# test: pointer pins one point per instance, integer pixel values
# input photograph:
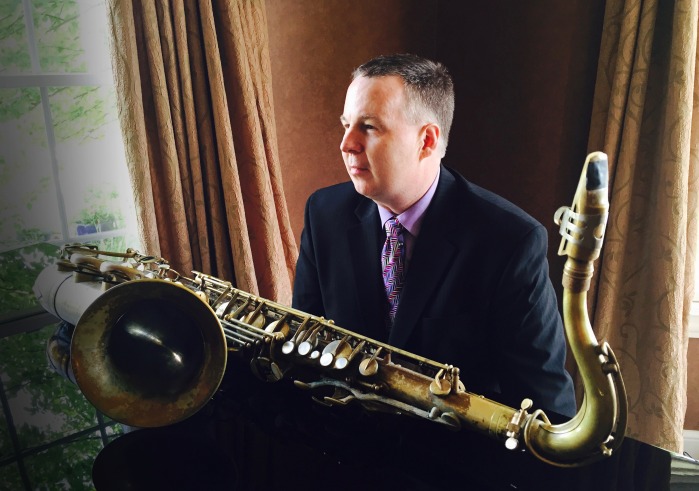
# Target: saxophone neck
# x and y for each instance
(599, 426)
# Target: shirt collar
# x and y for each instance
(411, 219)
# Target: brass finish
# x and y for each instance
(600, 424)
(110, 380)
(276, 339)
(369, 366)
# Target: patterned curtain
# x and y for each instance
(195, 100)
(645, 119)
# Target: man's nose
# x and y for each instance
(350, 142)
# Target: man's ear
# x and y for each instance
(430, 140)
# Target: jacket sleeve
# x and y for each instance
(307, 295)
(532, 346)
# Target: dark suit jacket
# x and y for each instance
(477, 293)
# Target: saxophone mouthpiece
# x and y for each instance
(597, 171)
(582, 225)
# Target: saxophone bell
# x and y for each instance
(148, 353)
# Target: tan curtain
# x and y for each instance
(645, 119)
(195, 98)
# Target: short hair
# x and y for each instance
(428, 86)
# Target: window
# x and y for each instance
(62, 164)
(64, 179)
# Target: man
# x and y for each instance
(467, 277)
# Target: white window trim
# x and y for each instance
(694, 320)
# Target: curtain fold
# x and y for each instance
(195, 102)
(644, 117)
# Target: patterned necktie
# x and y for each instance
(392, 263)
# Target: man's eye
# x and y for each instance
(368, 127)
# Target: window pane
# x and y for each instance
(14, 50)
(45, 406)
(28, 205)
(65, 466)
(9, 476)
(71, 36)
(90, 152)
(5, 441)
(57, 30)
(19, 269)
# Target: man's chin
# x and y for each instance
(361, 186)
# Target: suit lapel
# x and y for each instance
(433, 253)
(365, 242)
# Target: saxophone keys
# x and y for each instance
(321, 401)
(310, 342)
(343, 401)
(120, 272)
(336, 351)
(440, 386)
(514, 427)
(343, 361)
(65, 265)
(280, 326)
(266, 369)
(288, 347)
(605, 450)
(306, 347)
(328, 355)
(343, 355)
(256, 319)
(301, 384)
(369, 366)
(326, 359)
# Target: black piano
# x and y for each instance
(260, 436)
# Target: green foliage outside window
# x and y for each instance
(9, 476)
(14, 55)
(83, 122)
(52, 137)
(46, 408)
(56, 25)
(99, 210)
(18, 271)
(48, 470)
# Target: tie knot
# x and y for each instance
(393, 227)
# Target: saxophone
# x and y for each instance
(150, 346)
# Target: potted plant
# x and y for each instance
(98, 215)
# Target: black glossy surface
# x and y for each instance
(273, 436)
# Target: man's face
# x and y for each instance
(382, 148)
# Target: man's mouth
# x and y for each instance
(356, 170)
